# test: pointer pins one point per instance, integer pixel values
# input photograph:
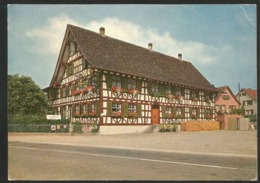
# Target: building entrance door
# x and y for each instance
(155, 115)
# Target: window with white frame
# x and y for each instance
(116, 81)
(94, 107)
(187, 93)
(178, 111)
(131, 84)
(94, 81)
(116, 107)
(132, 108)
(187, 112)
(77, 110)
(201, 95)
(193, 94)
(84, 109)
(168, 110)
(155, 88)
(194, 112)
(168, 90)
(202, 111)
(178, 92)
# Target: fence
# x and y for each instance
(43, 128)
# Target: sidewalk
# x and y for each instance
(230, 143)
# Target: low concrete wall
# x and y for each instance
(105, 130)
(200, 125)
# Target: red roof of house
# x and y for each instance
(250, 92)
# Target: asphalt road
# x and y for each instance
(31, 161)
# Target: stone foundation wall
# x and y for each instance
(200, 125)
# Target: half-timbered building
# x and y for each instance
(124, 87)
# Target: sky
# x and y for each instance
(219, 40)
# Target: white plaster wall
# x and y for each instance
(105, 130)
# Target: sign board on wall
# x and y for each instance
(54, 117)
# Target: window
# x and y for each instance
(116, 81)
(193, 94)
(207, 96)
(217, 107)
(84, 109)
(194, 112)
(232, 107)
(94, 107)
(71, 69)
(168, 110)
(168, 90)
(131, 108)
(77, 110)
(223, 108)
(155, 88)
(131, 84)
(249, 102)
(64, 91)
(57, 93)
(116, 107)
(178, 111)
(70, 89)
(202, 113)
(187, 94)
(187, 112)
(201, 95)
(94, 81)
(178, 92)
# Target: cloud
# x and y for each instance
(52, 33)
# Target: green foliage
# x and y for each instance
(35, 123)
(25, 97)
(77, 127)
(252, 118)
(168, 127)
(95, 126)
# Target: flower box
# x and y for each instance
(133, 91)
(132, 114)
(117, 89)
(170, 96)
(92, 114)
(76, 92)
(169, 115)
(116, 114)
(195, 99)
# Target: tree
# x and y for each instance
(25, 97)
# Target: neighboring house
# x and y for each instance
(225, 105)
(123, 87)
(248, 99)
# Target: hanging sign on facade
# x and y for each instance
(54, 117)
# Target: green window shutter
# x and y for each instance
(67, 70)
(124, 83)
(183, 112)
(88, 108)
(109, 108)
(139, 110)
(173, 90)
(109, 81)
(67, 90)
(161, 89)
(183, 92)
(149, 88)
(197, 94)
(174, 111)
(73, 110)
(125, 109)
(61, 92)
(139, 85)
(98, 109)
(163, 111)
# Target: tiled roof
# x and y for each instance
(250, 92)
(107, 53)
(222, 90)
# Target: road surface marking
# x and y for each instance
(125, 157)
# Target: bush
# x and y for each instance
(77, 127)
(252, 118)
(35, 123)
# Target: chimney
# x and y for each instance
(180, 56)
(102, 31)
(150, 46)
